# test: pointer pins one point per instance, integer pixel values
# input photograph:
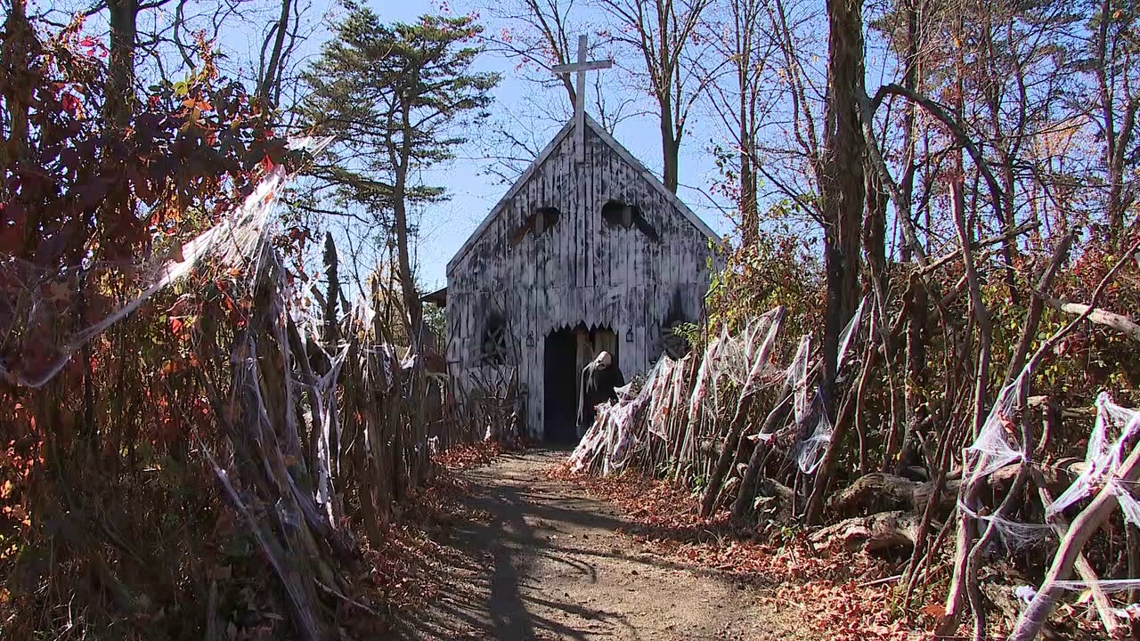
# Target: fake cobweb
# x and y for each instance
(815, 428)
(1114, 427)
(997, 445)
(992, 448)
(37, 304)
(611, 439)
(731, 366)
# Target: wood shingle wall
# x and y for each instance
(580, 270)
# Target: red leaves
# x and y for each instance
(171, 155)
(71, 104)
(92, 47)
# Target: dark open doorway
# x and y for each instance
(560, 382)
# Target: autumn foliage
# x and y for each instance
(116, 519)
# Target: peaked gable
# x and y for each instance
(554, 144)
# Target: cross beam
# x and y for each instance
(580, 67)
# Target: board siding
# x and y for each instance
(581, 271)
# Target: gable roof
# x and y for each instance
(613, 144)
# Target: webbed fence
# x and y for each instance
(741, 422)
(201, 433)
(694, 419)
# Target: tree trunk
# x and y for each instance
(269, 87)
(413, 308)
(913, 398)
(749, 207)
(842, 185)
(875, 229)
(749, 212)
(121, 70)
(917, 310)
(332, 335)
(1005, 147)
(814, 510)
(670, 148)
(961, 583)
(1114, 205)
(19, 45)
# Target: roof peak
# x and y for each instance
(610, 142)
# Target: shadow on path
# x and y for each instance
(546, 563)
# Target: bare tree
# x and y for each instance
(738, 89)
(537, 36)
(789, 148)
(1114, 99)
(283, 35)
(664, 34)
(540, 34)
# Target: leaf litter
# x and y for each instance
(828, 591)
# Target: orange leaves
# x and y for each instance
(17, 513)
(465, 456)
(934, 610)
(197, 103)
(72, 105)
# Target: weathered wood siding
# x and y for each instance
(582, 270)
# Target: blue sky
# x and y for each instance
(473, 192)
(446, 226)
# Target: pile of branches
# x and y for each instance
(210, 459)
(692, 419)
(948, 481)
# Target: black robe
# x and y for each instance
(597, 386)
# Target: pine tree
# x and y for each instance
(398, 99)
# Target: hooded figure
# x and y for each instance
(599, 380)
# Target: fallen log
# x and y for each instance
(1120, 323)
(1057, 476)
(878, 492)
(870, 533)
(775, 500)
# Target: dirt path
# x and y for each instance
(547, 563)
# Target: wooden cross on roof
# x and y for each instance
(581, 67)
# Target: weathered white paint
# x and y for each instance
(581, 270)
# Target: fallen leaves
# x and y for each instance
(936, 610)
(825, 589)
(404, 568)
(466, 456)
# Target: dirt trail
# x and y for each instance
(547, 563)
